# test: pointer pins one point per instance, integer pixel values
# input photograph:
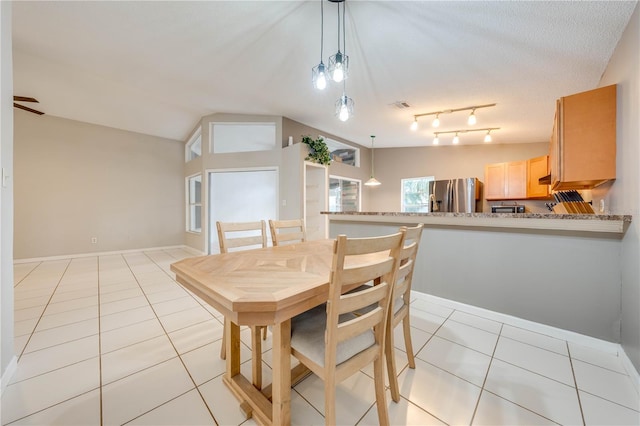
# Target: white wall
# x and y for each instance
(624, 196)
(6, 193)
(76, 180)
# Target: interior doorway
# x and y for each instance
(241, 195)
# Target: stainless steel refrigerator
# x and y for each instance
(455, 195)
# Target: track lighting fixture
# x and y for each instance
(372, 180)
(414, 125)
(436, 121)
(456, 138)
(472, 118)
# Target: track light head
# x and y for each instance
(414, 125)
(436, 121)
(472, 118)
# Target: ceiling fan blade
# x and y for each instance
(35, 111)
(25, 99)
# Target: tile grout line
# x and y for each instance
(25, 277)
(99, 344)
(43, 311)
(486, 376)
(575, 383)
(170, 341)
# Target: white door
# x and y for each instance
(241, 196)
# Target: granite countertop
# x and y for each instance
(589, 223)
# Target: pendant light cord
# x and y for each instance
(344, 29)
(321, 29)
(372, 154)
(338, 28)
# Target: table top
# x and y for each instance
(261, 286)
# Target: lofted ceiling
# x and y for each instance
(157, 67)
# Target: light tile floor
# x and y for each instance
(115, 340)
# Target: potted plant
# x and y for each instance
(318, 150)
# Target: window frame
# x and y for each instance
(195, 137)
(192, 204)
(358, 194)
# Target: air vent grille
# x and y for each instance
(400, 105)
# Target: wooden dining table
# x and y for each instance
(266, 286)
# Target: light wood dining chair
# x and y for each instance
(233, 235)
(287, 231)
(400, 305)
(333, 342)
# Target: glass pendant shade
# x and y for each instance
(372, 182)
(339, 67)
(344, 107)
(319, 76)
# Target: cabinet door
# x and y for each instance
(494, 183)
(536, 168)
(586, 139)
(516, 180)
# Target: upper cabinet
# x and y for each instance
(537, 168)
(516, 180)
(583, 141)
(505, 181)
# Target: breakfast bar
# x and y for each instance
(558, 270)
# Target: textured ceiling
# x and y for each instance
(157, 67)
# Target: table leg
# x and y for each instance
(233, 349)
(256, 356)
(281, 397)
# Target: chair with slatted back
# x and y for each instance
(399, 306)
(333, 342)
(287, 231)
(233, 235)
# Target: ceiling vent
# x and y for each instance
(400, 105)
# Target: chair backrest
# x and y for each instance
(358, 260)
(294, 231)
(404, 276)
(233, 228)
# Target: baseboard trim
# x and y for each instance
(104, 253)
(570, 336)
(8, 374)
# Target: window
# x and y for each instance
(343, 153)
(344, 194)
(415, 194)
(194, 207)
(194, 147)
(242, 137)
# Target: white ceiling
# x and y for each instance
(157, 67)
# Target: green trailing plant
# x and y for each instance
(318, 150)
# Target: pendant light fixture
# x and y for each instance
(339, 63)
(344, 107)
(372, 181)
(319, 72)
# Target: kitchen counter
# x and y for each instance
(607, 224)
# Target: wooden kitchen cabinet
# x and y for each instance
(505, 181)
(583, 141)
(537, 168)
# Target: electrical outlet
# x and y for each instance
(94, 240)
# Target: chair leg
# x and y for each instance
(406, 327)
(390, 356)
(330, 402)
(223, 348)
(381, 400)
